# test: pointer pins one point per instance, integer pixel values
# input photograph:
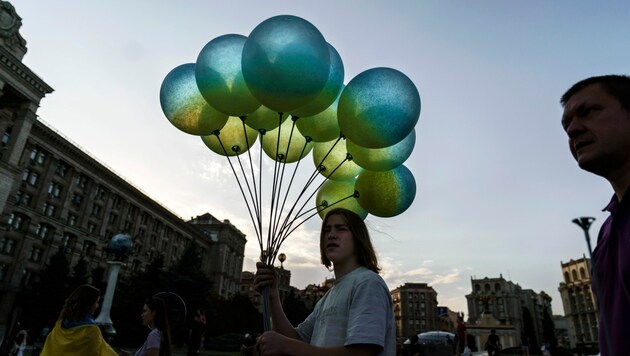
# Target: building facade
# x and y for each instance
(578, 301)
(415, 309)
(509, 304)
(53, 196)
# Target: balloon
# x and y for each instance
(321, 127)
(264, 119)
(184, 106)
(289, 137)
(386, 194)
(331, 90)
(382, 159)
(334, 165)
(232, 137)
(378, 108)
(332, 192)
(220, 79)
(285, 62)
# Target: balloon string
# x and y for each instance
(286, 229)
(273, 189)
(257, 206)
(285, 223)
(279, 216)
(249, 210)
(252, 196)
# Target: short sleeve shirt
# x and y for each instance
(153, 342)
(358, 309)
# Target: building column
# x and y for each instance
(11, 157)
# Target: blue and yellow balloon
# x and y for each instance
(388, 193)
(285, 62)
(378, 108)
(220, 78)
(338, 194)
(184, 106)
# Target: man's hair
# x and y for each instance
(616, 85)
(364, 250)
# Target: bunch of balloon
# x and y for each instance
(243, 89)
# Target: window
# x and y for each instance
(6, 136)
(49, 209)
(76, 200)
(44, 231)
(23, 198)
(96, 210)
(38, 156)
(72, 220)
(82, 180)
(4, 269)
(92, 228)
(27, 277)
(89, 248)
(16, 221)
(54, 189)
(100, 192)
(61, 169)
(36, 254)
(30, 177)
(112, 218)
(117, 202)
(7, 246)
(68, 240)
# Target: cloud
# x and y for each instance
(449, 278)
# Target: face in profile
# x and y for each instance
(598, 128)
(147, 316)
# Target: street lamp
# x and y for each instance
(120, 245)
(282, 257)
(585, 223)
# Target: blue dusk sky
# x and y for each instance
(496, 185)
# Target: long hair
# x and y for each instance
(364, 250)
(78, 304)
(160, 321)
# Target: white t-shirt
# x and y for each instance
(358, 309)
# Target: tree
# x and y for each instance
(42, 302)
(530, 331)
(549, 329)
(80, 274)
(294, 308)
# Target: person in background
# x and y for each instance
(20, 344)
(524, 343)
(461, 335)
(195, 336)
(493, 344)
(75, 333)
(355, 316)
(596, 119)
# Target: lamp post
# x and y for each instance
(119, 245)
(585, 223)
(282, 257)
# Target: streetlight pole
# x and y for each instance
(585, 223)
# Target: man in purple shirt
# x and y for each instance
(597, 120)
